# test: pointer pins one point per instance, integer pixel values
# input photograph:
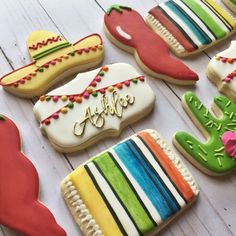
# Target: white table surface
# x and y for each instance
(215, 211)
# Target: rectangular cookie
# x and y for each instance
(134, 188)
(190, 26)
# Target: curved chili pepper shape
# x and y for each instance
(19, 189)
(127, 29)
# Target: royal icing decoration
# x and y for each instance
(229, 141)
(222, 71)
(231, 4)
(19, 188)
(190, 26)
(54, 58)
(209, 156)
(127, 29)
(95, 103)
(133, 188)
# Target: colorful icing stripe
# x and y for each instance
(225, 18)
(181, 185)
(138, 183)
(194, 23)
(187, 22)
(96, 205)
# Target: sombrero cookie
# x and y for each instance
(190, 26)
(217, 155)
(95, 105)
(20, 208)
(134, 188)
(222, 71)
(231, 4)
(54, 58)
(127, 29)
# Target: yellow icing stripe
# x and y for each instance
(230, 19)
(94, 202)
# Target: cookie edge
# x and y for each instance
(81, 213)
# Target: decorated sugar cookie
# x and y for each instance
(19, 189)
(126, 29)
(215, 156)
(54, 59)
(190, 26)
(134, 188)
(231, 4)
(222, 71)
(95, 105)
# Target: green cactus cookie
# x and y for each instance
(210, 156)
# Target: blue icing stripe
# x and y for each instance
(196, 30)
(137, 170)
(155, 177)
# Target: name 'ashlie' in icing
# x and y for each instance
(209, 156)
(190, 26)
(94, 105)
(133, 188)
(115, 107)
(127, 29)
(54, 58)
(19, 189)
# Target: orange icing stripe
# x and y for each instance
(172, 172)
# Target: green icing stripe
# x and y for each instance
(122, 188)
(211, 154)
(206, 18)
(233, 1)
(51, 50)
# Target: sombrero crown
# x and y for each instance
(42, 43)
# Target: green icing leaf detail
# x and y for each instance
(117, 8)
(2, 117)
(210, 155)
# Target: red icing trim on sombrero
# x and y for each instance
(52, 62)
(19, 188)
(45, 42)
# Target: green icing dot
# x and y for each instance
(2, 117)
(135, 81)
(41, 69)
(71, 105)
(101, 73)
(95, 94)
(48, 98)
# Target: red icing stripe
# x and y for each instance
(45, 42)
(151, 48)
(171, 170)
(160, 16)
(19, 188)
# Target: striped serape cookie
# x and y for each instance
(134, 188)
(190, 26)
